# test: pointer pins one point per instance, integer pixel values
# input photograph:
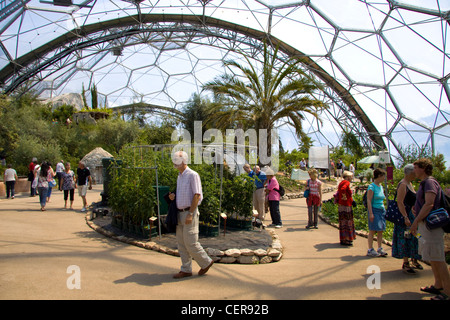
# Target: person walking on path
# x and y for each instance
(258, 193)
(404, 245)
(59, 171)
(314, 200)
(189, 195)
(43, 174)
(67, 179)
(10, 178)
(32, 176)
(83, 179)
(51, 179)
(347, 231)
(431, 244)
(376, 213)
(273, 196)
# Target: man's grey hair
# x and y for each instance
(408, 169)
(180, 157)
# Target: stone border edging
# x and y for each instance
(243, 256)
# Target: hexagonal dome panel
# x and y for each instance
(385, 65)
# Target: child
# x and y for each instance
(314, 199)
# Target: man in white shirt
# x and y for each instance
(10, 177)
(188, 196)
(59, 171)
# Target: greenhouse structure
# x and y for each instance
(384, 64)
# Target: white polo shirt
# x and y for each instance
(10, 174)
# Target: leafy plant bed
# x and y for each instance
(208, 230)
(142, 231)
(239, 224)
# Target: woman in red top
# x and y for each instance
(346, 224)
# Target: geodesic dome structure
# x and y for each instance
(385, 65)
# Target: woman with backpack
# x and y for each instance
(273, 196)
(431, 242)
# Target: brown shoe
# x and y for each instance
(203, 271)
(182, 274)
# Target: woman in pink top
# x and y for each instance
(274, 198)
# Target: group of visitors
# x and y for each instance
(412, 240)
(338, 168)
(266, 195)
(42, 178)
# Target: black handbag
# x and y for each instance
(171, 219)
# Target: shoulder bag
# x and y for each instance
(438, 218)
(393, 214)
(306, 193)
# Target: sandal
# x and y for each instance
(441, 297)
(407, 269)
(431, 289)
(416, 265)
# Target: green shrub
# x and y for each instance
(131, 195)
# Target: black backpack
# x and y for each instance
(445, 202)
(365, 199)
(280, 191)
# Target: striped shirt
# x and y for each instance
(188, 184)
(314, 186)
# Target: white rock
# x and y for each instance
(246, 252)
(265, 259)
(260, 252)
(233, 253)
(276, 244)
(248, 259)
(271, 252)
(227, 260)
(278, 258)
(214, 252)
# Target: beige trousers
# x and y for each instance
(188, 245)
(258, 202)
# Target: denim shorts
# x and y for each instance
(379, 221)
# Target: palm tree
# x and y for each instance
(281, 92)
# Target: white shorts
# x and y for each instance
(82, 190)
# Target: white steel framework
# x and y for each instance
(385, 64)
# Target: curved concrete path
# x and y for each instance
(39, 249)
